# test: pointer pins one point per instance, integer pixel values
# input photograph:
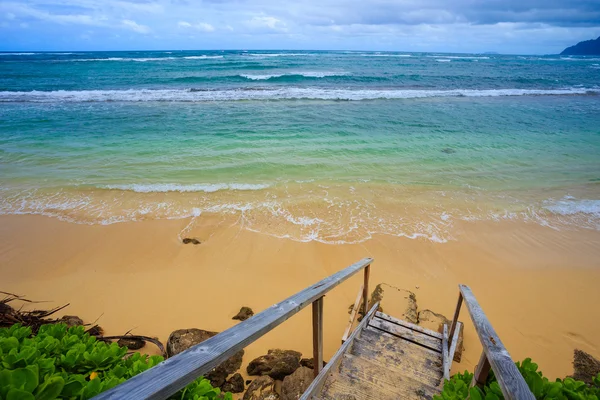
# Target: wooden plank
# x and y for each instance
(456, 314)
(353, 313)
(409, 325)
(317, 320)
(342, 386)
(366, 289)
(482, 370)
(445, 351)
(175, 373)
(407, 334)
(511, 381)
(380, 338)
(317, 384)
(454, 344)
(379, 375)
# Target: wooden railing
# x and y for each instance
(175, 373)
(494, 355)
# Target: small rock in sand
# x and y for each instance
(131, 344)
(244, 314)
(190, 240)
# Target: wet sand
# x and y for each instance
(538, 286)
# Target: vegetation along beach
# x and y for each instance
(163, 190)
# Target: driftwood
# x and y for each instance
(36, 318)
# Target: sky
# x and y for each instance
(460, 26)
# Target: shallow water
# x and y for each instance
(328, 146)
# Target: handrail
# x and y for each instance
(175, 373)
(494, 355)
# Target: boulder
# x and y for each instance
(277, 363)
(434, 321)
(235, 384)
(295, 384)
(71, 320)
(244, 314)
(262, 388)
(585, 366)
(182, 339)
(131, 344)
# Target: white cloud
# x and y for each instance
(10, 16)
(200, 26)
(268, 22)
(134, 26)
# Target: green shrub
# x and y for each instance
(61, 363)
(457, 388)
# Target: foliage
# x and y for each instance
(67, 363)
(457, 388)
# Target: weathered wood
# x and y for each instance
(482, 370)
(454, 344)
(353, 314)
(380, 374)
(365, 295)
(400, 357)
(317, 320)
(509, 378)
(407, 334)
(333, 364)
(445, 352)
(176, 372)
(385, 340)
(456, 314)
(409, 325)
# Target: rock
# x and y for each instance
(295, 384)
(71, 320)
(244, 314)
(191, 240)
(262, 388)
(434, 321)
(183, 339)
(235, 384)
(131, 344)
(585, 366)
(308, 363)
(277, 363)
(248, 381)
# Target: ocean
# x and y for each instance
(322, 146)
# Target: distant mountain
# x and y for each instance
(585, 48)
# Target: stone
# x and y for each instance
(131, 344)
(277, 363)
(434, 321)
(585, 366)
(71, 320)
(308, 363)
(262, 388)
(295, 384)
(248, 381)
(191, 240)
(244, 314)
(235, 384)
(183, 339)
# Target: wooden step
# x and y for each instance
(409, 325)
(410, 335)
(410, 381)
(342, 386)
(405, 357)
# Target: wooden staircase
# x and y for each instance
(387, 359)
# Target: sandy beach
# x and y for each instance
(538, 286)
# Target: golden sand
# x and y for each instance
(539, 287)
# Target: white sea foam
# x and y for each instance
(571, 206)
(385, 55)
(462, 57)
(174, 187)
(276, 54)
(284, 93)
(442, 60)
(17, 54)
(201, 57)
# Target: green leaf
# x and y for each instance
(18, 394)
(50, 389)
(25, 379)
(475, 393)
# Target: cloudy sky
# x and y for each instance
(505, 26)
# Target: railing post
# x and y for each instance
(481, 371)
(317, 320)
(366, 290)
(456, 314)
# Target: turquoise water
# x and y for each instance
(330, 146)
